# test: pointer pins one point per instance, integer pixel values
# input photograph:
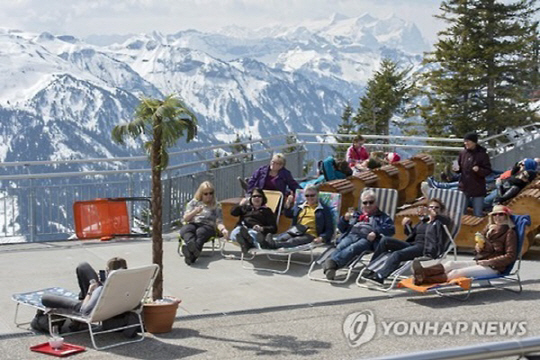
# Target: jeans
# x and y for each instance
(456, 269)
(477, 204)
(488, 200)
(251, 232)
(85, 273)
(399, 251)
(351, 246)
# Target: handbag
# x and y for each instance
(297, 230)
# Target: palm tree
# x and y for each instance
(162, 122)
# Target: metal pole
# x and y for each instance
(491, 350)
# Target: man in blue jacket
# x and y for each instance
(361, 232)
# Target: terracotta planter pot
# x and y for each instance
(159, 316)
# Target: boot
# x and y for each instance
(330, 267)
(421, 273)
(435, 279)
(268, 242)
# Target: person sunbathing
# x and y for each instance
(427, 238)
(495, 249)
(312, 222)
(361, 232)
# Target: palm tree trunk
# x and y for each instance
(157, 239)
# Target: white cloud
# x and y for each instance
(83, 17)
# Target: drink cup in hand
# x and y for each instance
(480, 240)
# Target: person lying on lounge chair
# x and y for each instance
(361, 232)
(427, 238)
(495, 250)
(90, 286)
(312, 222)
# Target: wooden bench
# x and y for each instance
(425, 166)
(387, 177)
(407, 191)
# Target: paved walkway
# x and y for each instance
(231, 313)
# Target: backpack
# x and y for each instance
(40, 322)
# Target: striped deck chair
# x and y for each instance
(387, 202)
(333, 201)
(455, 202)
(274, 201)
(123, 291)
(509, 275)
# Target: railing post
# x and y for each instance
(32, 211)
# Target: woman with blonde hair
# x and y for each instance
(273, 177)
(495, 249)
(202, 217)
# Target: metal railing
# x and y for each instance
(36, 197)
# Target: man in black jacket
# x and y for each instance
(427, 238)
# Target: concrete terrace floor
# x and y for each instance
(228, 312)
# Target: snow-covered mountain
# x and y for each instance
(60, 96)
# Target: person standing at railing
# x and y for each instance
(272, 177)
(473, 164)
(202, 218)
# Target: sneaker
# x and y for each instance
(374, 278)
(367, 272)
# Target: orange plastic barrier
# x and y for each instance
(100, 217)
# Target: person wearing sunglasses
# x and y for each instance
(426, 239)
(256, 220)
(495, 249)
(201, 219)
(361, 232)
(311, 222)
(272, 177)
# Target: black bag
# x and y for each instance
(297, 230)
(40, 322)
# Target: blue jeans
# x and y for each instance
(477, 204)
(351, 246)
(251, 232)
(399, 251)
(488, 200)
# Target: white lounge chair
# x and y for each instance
(123, 291)
(386, 202)
(333, 200)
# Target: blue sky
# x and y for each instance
(85, 17)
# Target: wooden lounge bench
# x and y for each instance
(345, 188)
(388, 177)
(407, 190)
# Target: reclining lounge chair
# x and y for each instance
(123, 291)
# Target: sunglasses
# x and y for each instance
(368, 202)
(499, 214)
(256, 196)
(434, 207)
(310, 195)
(209, 193)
